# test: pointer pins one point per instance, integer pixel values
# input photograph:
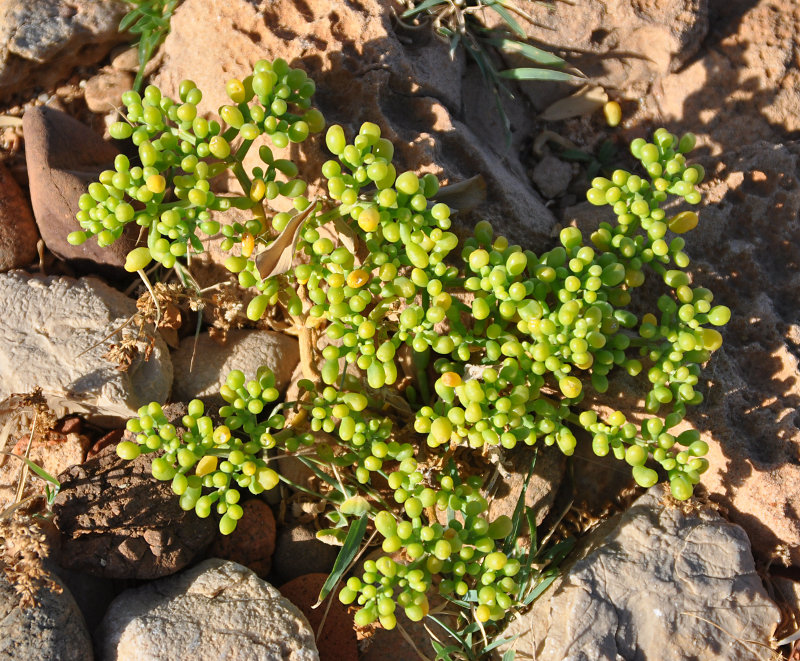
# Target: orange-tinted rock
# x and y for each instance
(337, 640)
(18, 235)
(253, 541)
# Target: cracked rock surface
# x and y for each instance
(655, 583)
(53, 334)
(218, 609)
(367, 68)
(117, 521)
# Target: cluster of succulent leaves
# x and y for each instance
(514, 343)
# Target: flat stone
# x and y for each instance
(218, 607)
(55, 330)
(336, 641)
(658, 582)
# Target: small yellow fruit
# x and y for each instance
(613, 113)
(368, 219)
(683, 222)
(357, 278)
(206, 465)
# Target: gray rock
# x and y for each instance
(54, 333)
(218, 608)
(52, 631)
(552, 176)
(658, 584)
(42, 41)
(244, 350)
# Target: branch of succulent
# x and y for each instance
(512, 367)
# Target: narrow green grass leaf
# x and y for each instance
(422, 7)
(35, 468)
(532, 53)
(352, 544)
(501, 11)
(539, 589)
(519, 508)
(530, 73)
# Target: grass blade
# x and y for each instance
(526, 50)
(531, 73)
(421, 7)
(508, 18)
(41, 472)
(516, 519)
(539, 589)
(352, 544)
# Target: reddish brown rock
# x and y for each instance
(18, 235)
(337, 639)
(253, 541)
(103, 92)
(117, 521)
(53, 451)
(298, 552)
(63, 158)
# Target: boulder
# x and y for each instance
(218, 608)
(659, 582)
(118, 521)
(52, 629)
(42, 42)
(201, 368)
(63, 158)
(56, 331)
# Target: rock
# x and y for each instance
(218, 607)
(54, 629)
(622, 45)
(53, 452)
(103, 91)
(93, 594)
(747, 69)
(364, 71)
(55, 331)
(658, 582)
(244, 350)
(542, 487)
(337, 640)
(42, 41)
(118, 521)
(298, 552)
(63, 158)
(552, 176)
(253, 541)
(744, 250)
(18, 234)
